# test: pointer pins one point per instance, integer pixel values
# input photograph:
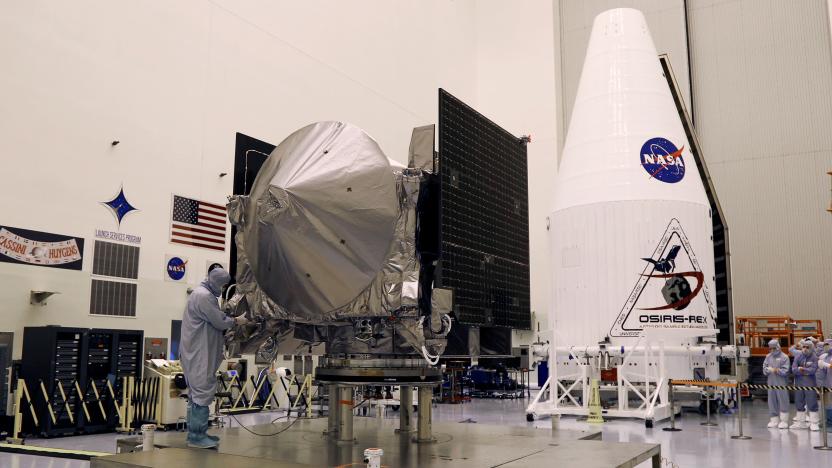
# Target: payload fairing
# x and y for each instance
(630, 234)
(630, 227)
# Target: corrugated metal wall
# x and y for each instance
(762, 105)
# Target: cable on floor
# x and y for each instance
(274, 420)
(266, 435)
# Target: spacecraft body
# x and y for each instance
(327, 251)
(630, 229)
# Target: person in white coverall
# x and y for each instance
(824, 379)
(776, 369)
(201, 352)
(804, 367)
(822, 352)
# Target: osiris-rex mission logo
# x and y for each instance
(662, 160)
(670, 282)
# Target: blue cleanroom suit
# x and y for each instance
(824, 364)
(776, 369)
(822, 352)
(804, 367)
(201, 352)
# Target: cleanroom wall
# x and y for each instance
(175, 82)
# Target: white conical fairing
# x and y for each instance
(623, 102)
(630, 229)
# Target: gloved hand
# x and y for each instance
(240, 320)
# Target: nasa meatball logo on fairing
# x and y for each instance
(662, 160)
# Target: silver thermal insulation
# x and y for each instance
(321, 218)
(325, 238)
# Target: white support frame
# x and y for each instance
(649, 385)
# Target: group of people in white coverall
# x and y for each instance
(810, 364)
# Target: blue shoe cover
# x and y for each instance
(202, 441)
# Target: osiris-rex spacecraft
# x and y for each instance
(379, 262)
(327, 254)
(339, 245)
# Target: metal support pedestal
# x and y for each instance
(824, 434)
(424, 431)
(332, 417)
(708, 422)
(346, 395)
(672, 427)
(739, 436)
(405, 409)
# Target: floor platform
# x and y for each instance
(458, 445)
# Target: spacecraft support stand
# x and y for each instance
(405, 409)
(424, 430)
(346, 395)
(332, 421)
(647, 381)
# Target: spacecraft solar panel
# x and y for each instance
(249, 156)
(485, 218)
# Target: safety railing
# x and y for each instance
(822, 392)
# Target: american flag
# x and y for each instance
(198, 223)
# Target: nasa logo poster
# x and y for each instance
(176, 268)
(38, 248)
(670, 291)
(662, 160)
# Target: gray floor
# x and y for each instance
(695, 446)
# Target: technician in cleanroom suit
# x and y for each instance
(776, 368)
(824, 364)
(804, 367)
(823, 353)
(201, 352)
